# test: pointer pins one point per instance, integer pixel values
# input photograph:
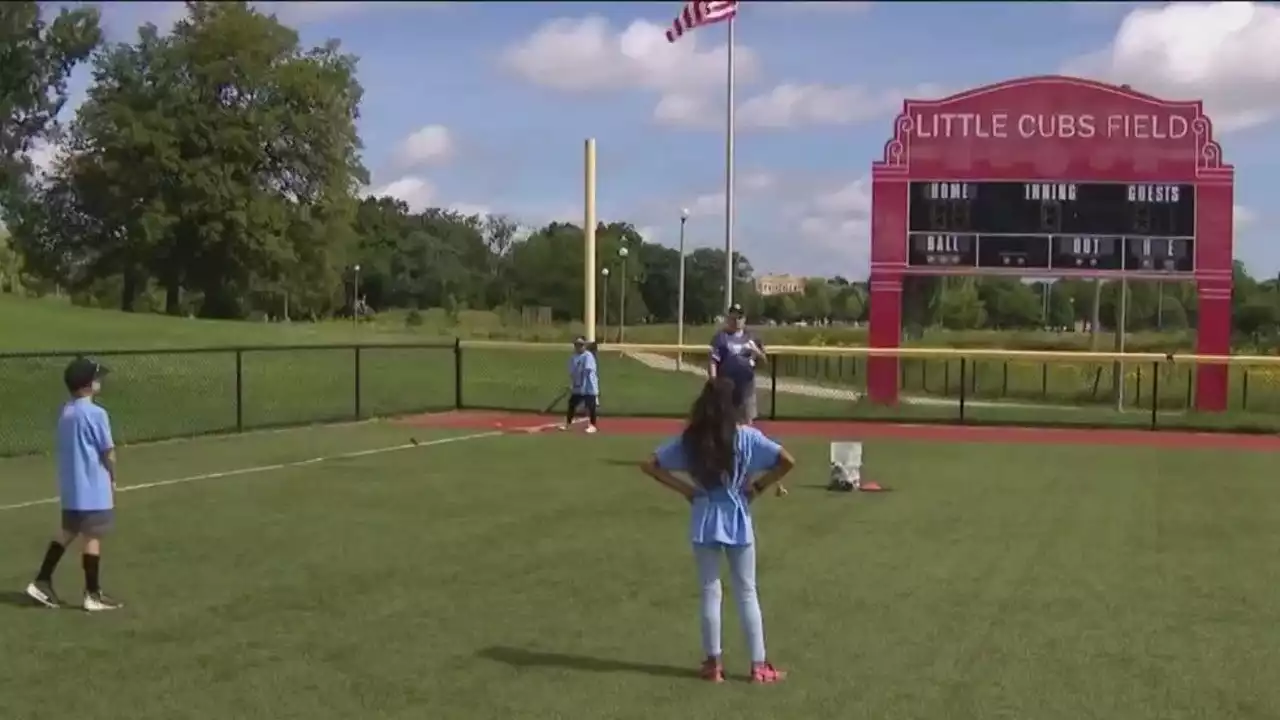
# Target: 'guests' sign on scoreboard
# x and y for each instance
(1041, 226)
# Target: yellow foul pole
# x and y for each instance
(589, 240)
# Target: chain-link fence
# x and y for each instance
(159, 394)
(155, 395)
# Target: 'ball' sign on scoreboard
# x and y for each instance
(1059, 226)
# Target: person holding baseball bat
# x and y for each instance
(584, 384)
(730, 465)
(735, 351)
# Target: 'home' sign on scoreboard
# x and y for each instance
(1052, 227)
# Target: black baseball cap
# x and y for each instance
(736, 309)
(81, 373)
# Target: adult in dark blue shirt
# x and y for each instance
(735, 352)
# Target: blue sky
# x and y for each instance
(484, 107)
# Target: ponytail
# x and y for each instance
(710, 434)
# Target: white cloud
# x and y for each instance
(303, 13)
(588, 55)
(1243, 217)
(712, 204)
(418, 193)
(466, 208)
(839, 222)
(791, 105)
(429, 145)
(1223, 52)
(831, 6)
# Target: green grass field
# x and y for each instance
(478, 579)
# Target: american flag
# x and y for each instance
(697, 13)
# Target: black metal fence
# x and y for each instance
(160, 394)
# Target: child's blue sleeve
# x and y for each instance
(671, 455)
(762, 453)
(100, 427)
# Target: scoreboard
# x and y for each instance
(1040, 226)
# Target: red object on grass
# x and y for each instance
(869, 486)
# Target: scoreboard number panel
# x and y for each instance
(1088, 252)
(942, 250)
(1013, 252)
(1159, 254)
(1059, 226)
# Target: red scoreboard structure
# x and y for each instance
(1053, 177)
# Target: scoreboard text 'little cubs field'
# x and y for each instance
(1053, 177)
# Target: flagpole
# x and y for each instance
(729, 274)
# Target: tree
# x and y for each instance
(36, 58)
(961, 307)
(221, 159)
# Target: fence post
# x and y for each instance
(1137, 390)
(1004, 381)
(357, 388)
(1044, 380)
(239, 390)
(1155, 392)
(1244, 391)
(1191, 380)
(457, 373)
(773, 391)
(963, 367)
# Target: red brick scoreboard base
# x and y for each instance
(1053, 177)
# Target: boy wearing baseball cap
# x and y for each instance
(86, 485)
(584, 384)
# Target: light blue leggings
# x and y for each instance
(742, 567)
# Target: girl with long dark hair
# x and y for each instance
(730, 464)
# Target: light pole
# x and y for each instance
(622, 297)
(684, 218)
(355, 298)
(604, 300)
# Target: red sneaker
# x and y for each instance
(765, 673)
(712, 670)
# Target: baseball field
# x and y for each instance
(479, 564)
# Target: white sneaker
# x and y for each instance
(562, 428)
(43, 593)
(98, 602)
(592, 429)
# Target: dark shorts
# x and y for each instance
(744, 398)
(589, 401)
(94, 523)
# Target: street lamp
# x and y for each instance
(604, 298)
(622, 297)
(684, 218)
(355, 298)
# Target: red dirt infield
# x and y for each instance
(851, 430)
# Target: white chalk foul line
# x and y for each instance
(292, 464)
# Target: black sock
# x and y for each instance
(50, 562)
(591, 410)
(91, 585)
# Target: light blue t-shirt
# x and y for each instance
(583, 378)
(722, 516)
(84, 435)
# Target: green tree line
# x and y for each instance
(215, 169)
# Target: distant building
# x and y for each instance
(779, 284)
